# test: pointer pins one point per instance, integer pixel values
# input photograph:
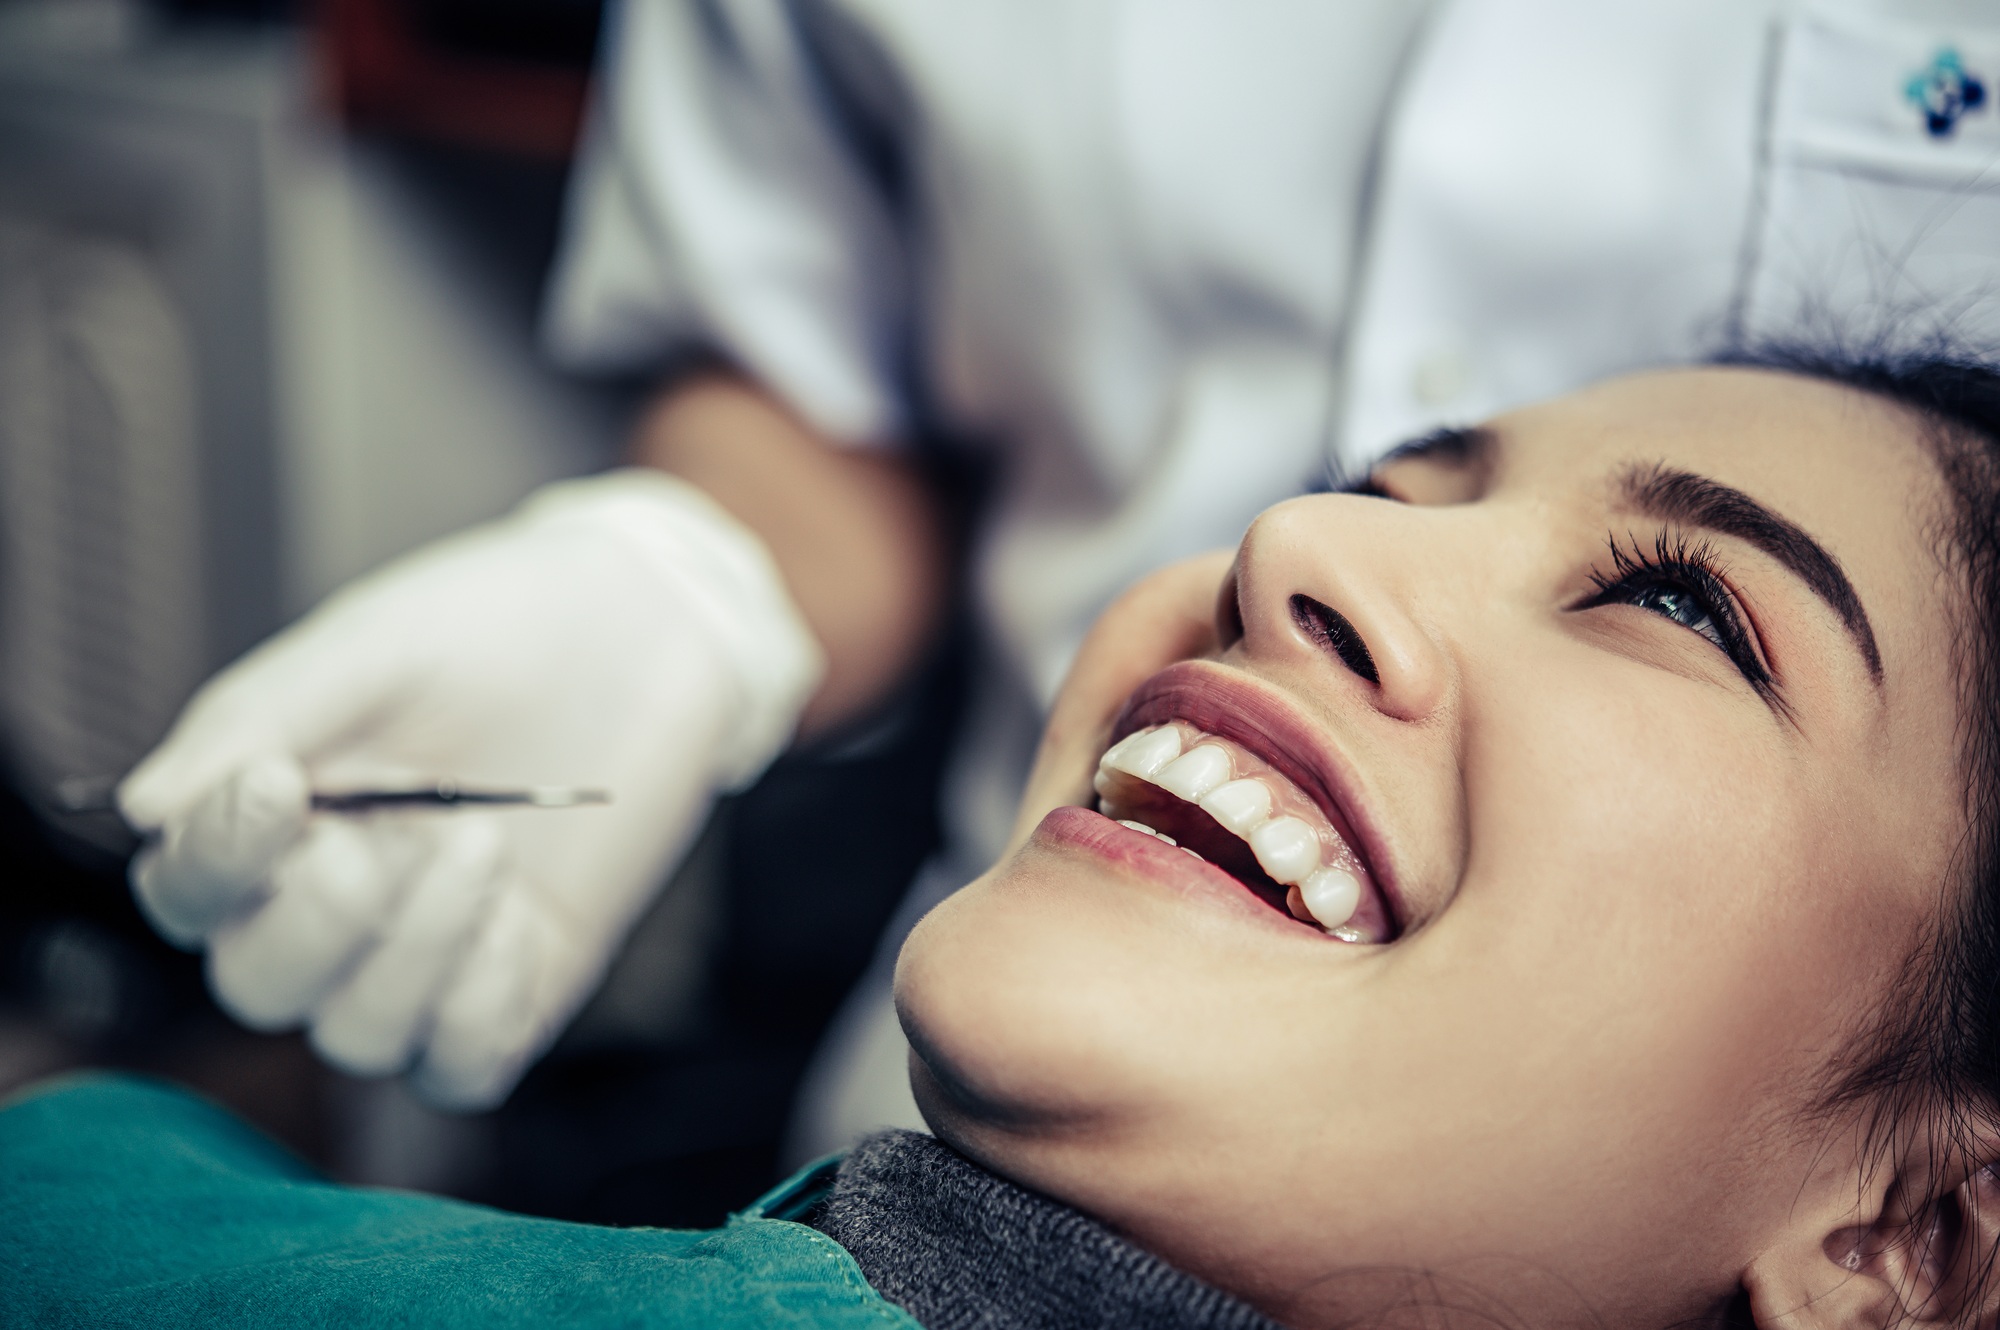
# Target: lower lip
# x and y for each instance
(1136, 854)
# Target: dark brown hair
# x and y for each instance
(1931, 1062)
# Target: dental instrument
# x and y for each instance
(96, 794)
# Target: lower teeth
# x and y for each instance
(1156, 835)
(1302, 914)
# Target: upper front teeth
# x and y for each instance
(1144, 753)
(1240, 805)
(1195, 772)
(1288, 848)
(1289, 851)
(1332, 895)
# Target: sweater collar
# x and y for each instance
(961, 1248)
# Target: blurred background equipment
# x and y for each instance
(504, 74)
(269, 287)
(138, 541)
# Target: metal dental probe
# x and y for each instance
(98, 794)
(450, 794)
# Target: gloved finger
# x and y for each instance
(524, 976)
(290, 695)
(370, 1024)
(329, 899)
(217, 861)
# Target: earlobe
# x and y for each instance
(1807, 1289)
(1823, 1269)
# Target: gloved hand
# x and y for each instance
(620, 632)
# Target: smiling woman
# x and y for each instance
(1621, 955)
(1553, 883)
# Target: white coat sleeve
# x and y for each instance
(718, 206)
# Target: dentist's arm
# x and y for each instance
(661, 632)
(856, 534)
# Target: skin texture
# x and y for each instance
(1643, 903)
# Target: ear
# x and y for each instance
(1914, 1250)
(1804, 1281)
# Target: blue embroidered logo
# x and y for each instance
(1945, 92)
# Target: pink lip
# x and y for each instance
(1155, 861)
(1225, 704)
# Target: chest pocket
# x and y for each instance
(1879, 225)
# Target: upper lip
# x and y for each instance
(1223, 703)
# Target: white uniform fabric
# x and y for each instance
(1168, 257)
(1572, 190)
(1030, 223)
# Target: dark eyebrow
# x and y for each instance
(1672, 495)
(1461, 447)
(1454, 445)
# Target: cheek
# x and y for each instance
(1667, 916)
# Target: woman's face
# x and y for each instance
(1642, 839)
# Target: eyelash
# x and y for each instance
(1691, 568)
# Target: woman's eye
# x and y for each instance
(1682, 581)
(1683, 606)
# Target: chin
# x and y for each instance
(1025, 1000)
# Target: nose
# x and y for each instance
(1327, 583)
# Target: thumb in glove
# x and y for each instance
(215, 863)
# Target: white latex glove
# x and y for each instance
(620, 632)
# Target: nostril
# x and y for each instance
(1229, 611)
(1330, 628)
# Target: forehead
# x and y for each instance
(1780, 436)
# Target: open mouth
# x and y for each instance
(1219, 798)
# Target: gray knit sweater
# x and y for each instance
(960, 1248)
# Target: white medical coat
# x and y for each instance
(1170, 260)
